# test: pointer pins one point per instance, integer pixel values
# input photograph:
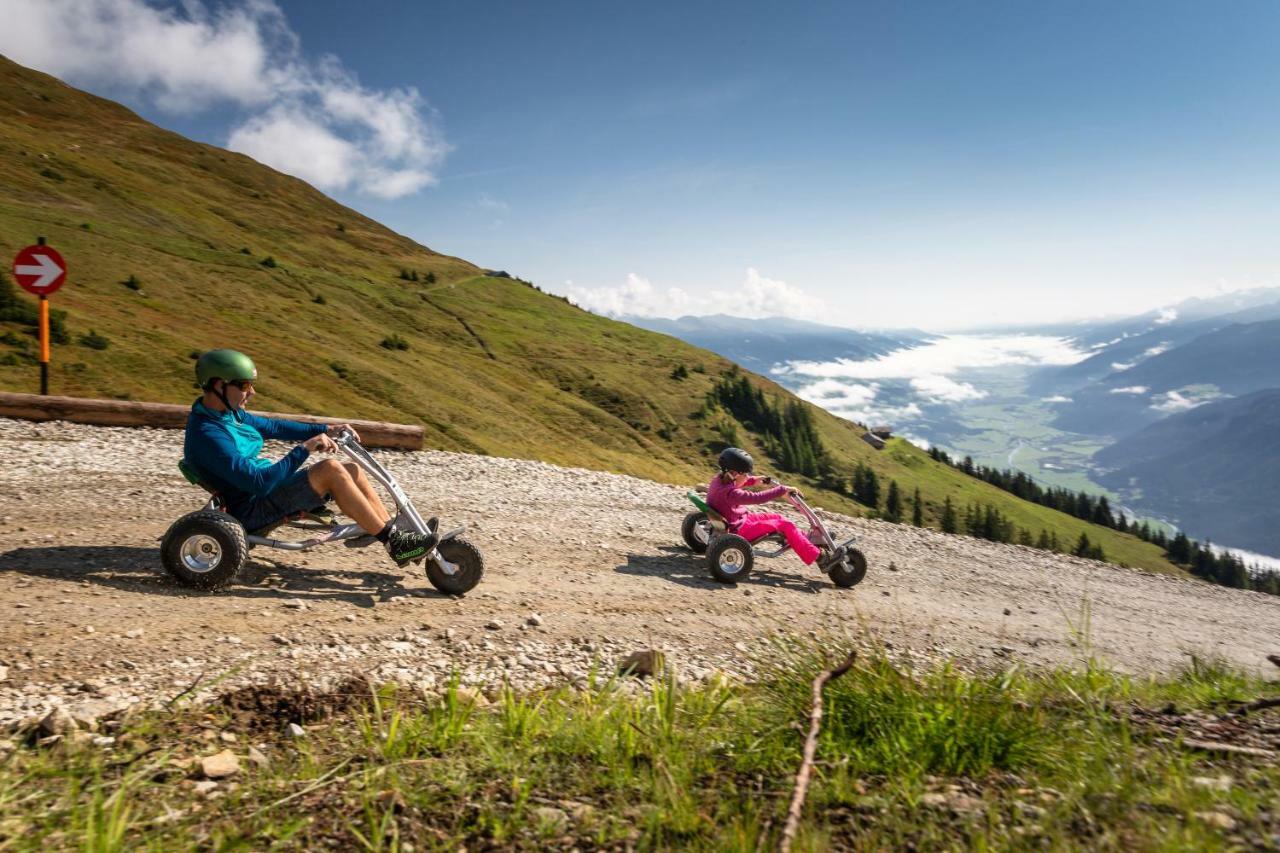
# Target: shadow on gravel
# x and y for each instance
(138, 570)
(679, 566)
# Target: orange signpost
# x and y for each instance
(40, 270)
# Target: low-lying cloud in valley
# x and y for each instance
(310, 118)
(920, 376)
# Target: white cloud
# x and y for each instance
(856, 402)
(1157, 349)
(757, 297)
(312, 119)
(1131, 389)
(1167, 316)
(1176, 401)
(1122, 365)
(321, 156)
(834, 393)
(1057, 398)
(1172, 401)
(636, 296)
(943, 389)
(946, 356)
(767, 297)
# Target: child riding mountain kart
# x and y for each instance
(253, 496)
(729, 536)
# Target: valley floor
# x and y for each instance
(582, 567)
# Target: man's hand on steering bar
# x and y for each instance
(336, 428)
(320, 444)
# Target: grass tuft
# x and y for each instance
(907, 759)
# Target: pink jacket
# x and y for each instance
(728, 500)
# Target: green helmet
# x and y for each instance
(224, 364)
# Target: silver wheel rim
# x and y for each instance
(732, 561)
(201, 554)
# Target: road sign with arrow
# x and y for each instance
(40, 270)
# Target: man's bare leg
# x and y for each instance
(362, 481)
(361, 504)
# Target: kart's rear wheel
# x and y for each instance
(730, 558)
(470, 565)
(849, 571)
(696, 530)
(204, 549)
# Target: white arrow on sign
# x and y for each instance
(45, 267)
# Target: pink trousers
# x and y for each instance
(757, 524)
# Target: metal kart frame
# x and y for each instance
(406, 513)
(716, 526)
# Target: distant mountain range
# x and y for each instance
(1234, 359)
(1214, 470)
(761, 344)
(1117, 346)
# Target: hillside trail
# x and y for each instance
(581, 568)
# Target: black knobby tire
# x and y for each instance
(204, 549)
(469, 562)
(851, 570)
(696, 531)
(730, 558)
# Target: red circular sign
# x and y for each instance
(39, 270)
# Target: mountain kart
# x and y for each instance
(206, 549)
(730, 557)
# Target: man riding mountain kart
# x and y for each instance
(223, 442)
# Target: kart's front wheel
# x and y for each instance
(849, 571)
(204, 549)
(730, 558)
(468, 562)
(696, 531)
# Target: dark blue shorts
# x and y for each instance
(291, 497)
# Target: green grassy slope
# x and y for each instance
(493, 365)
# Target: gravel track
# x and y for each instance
(582, 567)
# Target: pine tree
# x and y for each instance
(1043, 541)
(893, 504)
(1024, 537)
(1102, 513)
(917, 511)
(1082, 546)
(948, 521)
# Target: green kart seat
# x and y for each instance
(716, 519)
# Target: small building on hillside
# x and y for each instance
(874, 440)
(882, 431)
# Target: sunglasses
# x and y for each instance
(242, 384)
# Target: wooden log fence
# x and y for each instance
(128, 413)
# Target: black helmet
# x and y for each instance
(737, 460)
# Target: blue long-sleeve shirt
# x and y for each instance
(224, 452)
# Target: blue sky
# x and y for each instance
(937, 165)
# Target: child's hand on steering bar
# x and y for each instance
(792, 490)
(320, 444)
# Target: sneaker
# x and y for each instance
(829, 559)
(407, 545)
